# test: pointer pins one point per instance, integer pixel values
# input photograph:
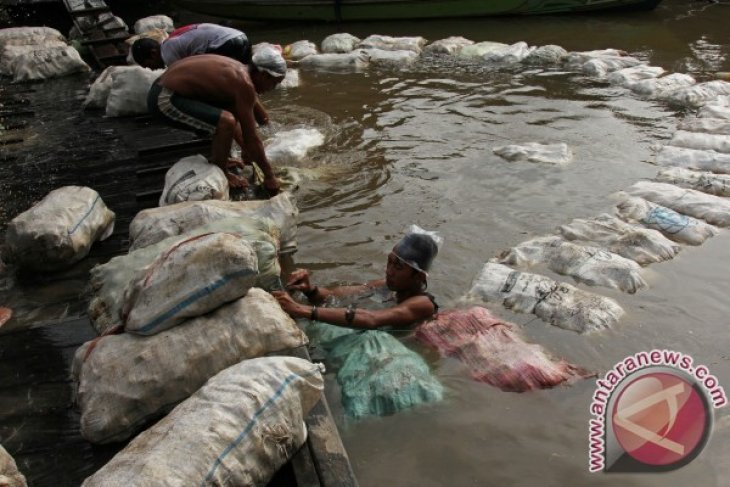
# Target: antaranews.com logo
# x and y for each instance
(652, 412)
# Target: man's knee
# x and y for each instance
(226, 123)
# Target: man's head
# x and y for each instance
(267, 69)
(146, 53)
(409, 262)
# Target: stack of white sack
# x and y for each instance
(700, 94)
(557, 303)
(155, 224)
(109, 281)
(122, 90)
(451, 45)
(705, 125)
(124, 381)
(299, 50)
(353, 61)
(558, 154)
(154, 22)
(661, 88)
(700, 141)
(707, 182)
(238, 429)
(291, 146)
(392, 58)
(628, 77)
(642, 245)
(387, 43)
(589, 265)
(193, 178)
(704, 160)
(37, 53)
(339, 43)
(547, 55)
(673, 225)
(59, 230)
(713, 209)
(189, 279)
(10, 476)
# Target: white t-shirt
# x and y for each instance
(198, 40)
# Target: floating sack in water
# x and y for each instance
(193, 178)
(291, 79)
(189, 279)
(24, 36)
(58, 231)
(451, 45)
(299, 50)
(576, 59)
(707, 182)
(128, 94)
(10, 476)
(238, 429)
(626, 77)
(639, 244)
(712, 209)
(383, 57)
(353, 61)
(494, 352)
(146, 24)
(589, 265)
(339, 43)
(124, 381)
(388, 43)
(481, 49)
(48, 62)
(714, 111)
(108, 281)
(600, 67)
(699, 141)
(535, 152)
(557, 303)
(705, 125)
(549, 54)
(292, 146)
(699, 94)
(675, 226)
(155, 224)
(662, 87)
(705, 160)
(508, 54)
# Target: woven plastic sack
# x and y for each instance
(237, 430)
(547, 55)
(713, 209)
(193, 178)
(389, 58)
(299, 50)
(124, 381)
(128, 95)
(162, 22)
(576, 59)
(558, 154)
(10, 476)
(557, 303)
(9, 54)
(601, 67)
(102, 86)
(48, 62)
(189, 279)
(514, 53)
(480, 49)
(108, 281)
(705, 125)
(642, 245)
(700, 141)
(22, 36)
(494, 351)
(58, 231)
(353, 61)
(590, 265)
(388, 43)
(707, 182)
(291, 80)
(450, 45)
(628, 76)
(291, 146)
(704, 160)
(339, 43)
(714, 111)
(699, 94)
(662, 87)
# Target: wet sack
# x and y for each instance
(193, 178)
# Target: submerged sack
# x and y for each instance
(58, 231)
(558, 303)
(695, 140)
(128, 94)
(291, 146)
(662, 87)
(699, 94)
(193, 178)
(299, 50)
(124, 381)
(494, 351)
(705, 125)
(48, 62)
(704, 160)
(189, 279)
(451, 45)
(353, 61)
(535, 152)
(707, 182)
(388, 43)
(238, 429)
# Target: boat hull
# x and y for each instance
(360, 10)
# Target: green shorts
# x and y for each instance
(182, 112)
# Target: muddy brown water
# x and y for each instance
(415, 146)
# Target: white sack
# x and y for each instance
(162, 22)
(675, 226)
(10, 476)
(451, 45)
(102, 86)
(187, 280)
(557, 303)
(388, 43)
(399, 58)
(24, 36)
(713, 209)
(481, 49)
(589, 265)
(706, 125)
(237, 430)
(546, 55)
(291, 146)
(10, 54)
(600, 67)
(156, 224)
(705, 160)
(124, 381)
(193, 178)
(299, 50)
(58, 231)
(343, 42)
(642, 245)
(576, 59)
(48, 62)
(352, 61)
(130, 86)
(291, 79)
(707, 182)
(698, 95)
(714, 111)
(510, 54)
(535, 152)
(700, 141)
(628, 76)
(108, 281)
(662, 87)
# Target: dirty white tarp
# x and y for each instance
(662, 87)
(535, 152)
(675, 226)
(705, 160)
(707, 182)
(155, 224)
(10, 476)
(713, 209)
(628, 76)
(162, 22)
(189, 279)
(450, 45)
(348, 62)
(291, 146)
(700, 141)
(238, 429)
(556, 302)
(128, 94)
(193, 178)
(47, 62)
(705, 125)
(549, 54)
(388, 43)
(590, 265)
(642, 245)
(59, 230)
(398, 58)
(339, 43)
(124, 381)
(699, 94)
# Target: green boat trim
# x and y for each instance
(363, 10)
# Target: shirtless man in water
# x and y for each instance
(217, 95)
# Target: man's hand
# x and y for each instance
(299, 281)
(290, 307)
(235, 181)
(272, 185)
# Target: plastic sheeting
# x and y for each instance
(494, 351)
(558, 303)
(193, 178)
(238, 429)
(10, 476)
(291, 146)
(508, 54)
(388, 43)
(576, 59)
(707, 182)
(339, 43)
(59, 230)
(602, 66)
(705, 160)
(558, 154)
(712, 209)
(480, 49)
(450, 45)
(124, 381)
(291, 79)
(353, 61)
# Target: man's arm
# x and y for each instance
(260, 113)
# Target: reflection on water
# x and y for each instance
(415, 146)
